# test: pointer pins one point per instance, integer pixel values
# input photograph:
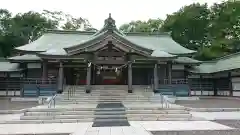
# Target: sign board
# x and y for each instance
(16, 75)
(236, 83)
(177, 67)
(34, 65)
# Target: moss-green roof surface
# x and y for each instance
(56, 42)
(226, 63)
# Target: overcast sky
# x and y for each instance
(96, 11)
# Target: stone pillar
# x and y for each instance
(169, 73)
(155, 75)
(44, 70)
(130, 78)
(88, 85)
(60, 77)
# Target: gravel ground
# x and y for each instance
(224, 132)
(211, 103)
(6, 104)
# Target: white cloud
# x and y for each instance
(96, 11)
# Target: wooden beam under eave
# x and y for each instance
(25, 61)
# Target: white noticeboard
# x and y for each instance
(177, 67)
(34, 65)
(236, 83)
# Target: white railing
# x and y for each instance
(71, 91)
(52, 101)
(165, 103)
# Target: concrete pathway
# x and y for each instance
(135, 128)
(181, 125)
(217, 115)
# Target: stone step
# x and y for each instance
(91, 120)
(108, 99)
(84, 102)
(75, 108)
(72, 109)
(117, 97)
(156, 111)
(130, 116)
(42, 117)
(74, 113)
(106, 112)
(95, 96)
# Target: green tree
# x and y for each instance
(225, 26)
(189, 25)
(152, 25)
(21, 29)
(67, 21)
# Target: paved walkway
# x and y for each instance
(214, 123)
(7, 104)
(217, 115)
(135, 128)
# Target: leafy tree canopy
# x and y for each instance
(23, 28)
(213, 31)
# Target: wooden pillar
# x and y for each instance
(169, 73)
(60, 77)
(130, 77)
(155, 75)
(44, 70)
(88, 87)
(215, 93)
(230, 84)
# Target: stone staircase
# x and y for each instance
(106, 94)
(105, 104)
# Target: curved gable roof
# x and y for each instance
(58, 42)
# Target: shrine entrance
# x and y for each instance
(109, 75)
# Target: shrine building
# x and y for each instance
(110, 57)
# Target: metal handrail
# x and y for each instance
(71, 91)
(52, 101)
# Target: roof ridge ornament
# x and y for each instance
(109, 22)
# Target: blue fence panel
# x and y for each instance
(48, 89)
(180, 90)
(33, 90)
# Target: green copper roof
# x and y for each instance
(162, 54)
(187, 60)
(161, 42)
(28, 57)
(229, 62)
(52, 40)
(57, 42)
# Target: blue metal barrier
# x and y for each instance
(35, 90)
(179, 90)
